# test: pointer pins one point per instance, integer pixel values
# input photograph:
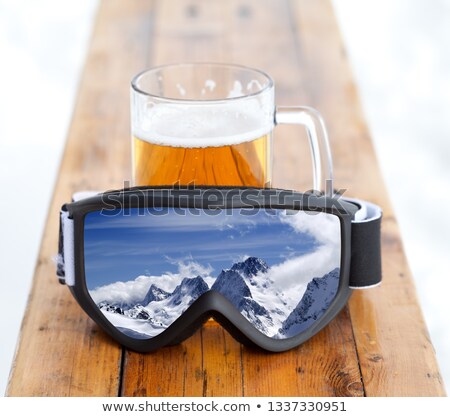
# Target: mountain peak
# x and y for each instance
(154, 293)
(318, 296)
(193, 282)
(194, 287)
(232, 284)
(250, 267)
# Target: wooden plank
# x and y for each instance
(207, 364)
(222, 362)
(165, 372)
(60, 351)
(236, 31)
(323, 366)
(394, 348)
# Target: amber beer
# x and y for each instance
(202, 124)
(247, 163)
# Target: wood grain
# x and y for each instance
(326, 365)
(379, 345)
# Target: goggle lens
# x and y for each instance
(279, 268)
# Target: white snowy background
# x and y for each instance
(399, 51)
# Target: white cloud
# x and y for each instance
(301, 269)
(190, 268)
(323, 227)
(241, 258)
(298, 271)
(129, 292)
(133, 291)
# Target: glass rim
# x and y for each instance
(138, 76)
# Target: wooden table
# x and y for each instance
(378, 346)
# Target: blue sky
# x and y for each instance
(120, 248)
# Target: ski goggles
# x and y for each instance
(151, 265)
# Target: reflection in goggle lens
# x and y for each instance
(279, 268)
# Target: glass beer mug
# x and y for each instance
(212, 124)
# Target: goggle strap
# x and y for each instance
(81, 195)
(365, 269)
(66, 261)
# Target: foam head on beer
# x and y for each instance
(211, 142)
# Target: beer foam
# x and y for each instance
(202, 125)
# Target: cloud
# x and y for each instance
(241, 258)
(299, 270)
(190, 268)
(323, 227)
(129, 292)
(134, 291)
(302, 269)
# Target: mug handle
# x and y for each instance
(322, 163)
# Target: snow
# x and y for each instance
(141, 327)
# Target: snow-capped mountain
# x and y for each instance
(165, 312)
(157, 311)
(232, 284)
(251, 267)
(318, 296)
(154, 294)
(247, 285)
(267, 306)
(105, 306)
(188, 291)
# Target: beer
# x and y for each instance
(240, 164)
(202, 124)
